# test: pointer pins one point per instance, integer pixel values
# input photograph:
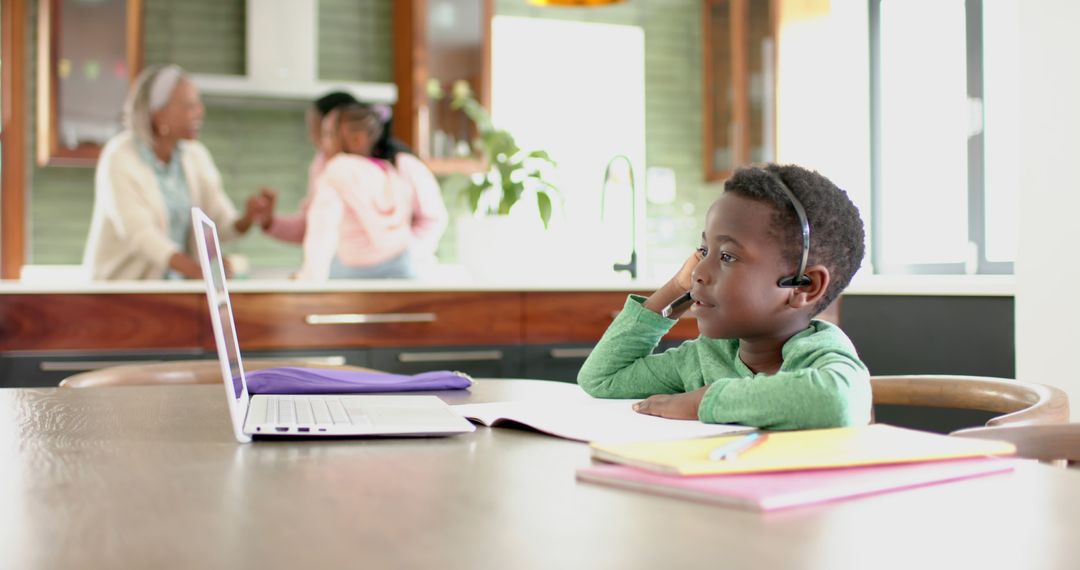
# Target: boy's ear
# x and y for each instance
(810, 295)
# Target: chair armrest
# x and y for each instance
(1045, 442)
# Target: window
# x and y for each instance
(940, 109)
(581, 99)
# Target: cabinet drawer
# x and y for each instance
(100, 322)
(501, 361)
(48, 368)
(582, 317)
(555, 362)
(360, 319)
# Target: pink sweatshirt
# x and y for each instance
(429, 212)
(367, 211)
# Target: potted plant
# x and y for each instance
(493, 243)
(511, 172)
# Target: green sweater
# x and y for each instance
(822, 383)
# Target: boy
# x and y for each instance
(761, 359)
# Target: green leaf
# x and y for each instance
(543, 203)
(472, 195)
(511, 170)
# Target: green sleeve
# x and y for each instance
(623, 364)
(833, 391)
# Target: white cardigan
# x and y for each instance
(129, 229)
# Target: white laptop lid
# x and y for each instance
(221, 316)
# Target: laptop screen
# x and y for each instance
(221, 315)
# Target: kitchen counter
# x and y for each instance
(937, 285)
(358, 285)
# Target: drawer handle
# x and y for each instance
(87, 365)
(333, 360)
(558, 353)
(458, 356)
(369, 318)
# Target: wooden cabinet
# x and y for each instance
(739, 56)
(581, 317)
(88, 54)
(102, 321)
(47, 337)
(373, 320)
(440, 41)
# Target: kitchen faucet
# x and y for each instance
(632, 265)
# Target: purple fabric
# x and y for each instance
(289, 380)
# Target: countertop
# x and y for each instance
(863, 284)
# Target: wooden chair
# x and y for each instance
(1031, 416)
(1045, 442)
(175, 372)
(1018, 403)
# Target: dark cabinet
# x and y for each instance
(48, 368)
(498, 361)
(555, 361)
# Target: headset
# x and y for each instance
(799, 279)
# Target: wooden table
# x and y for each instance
(150, 477)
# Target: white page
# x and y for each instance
(590, 419)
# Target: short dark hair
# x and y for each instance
(331, 101)
(836, 229)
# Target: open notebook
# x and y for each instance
(583, 418)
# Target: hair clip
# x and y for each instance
(383, 112)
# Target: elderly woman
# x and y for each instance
(148, 178)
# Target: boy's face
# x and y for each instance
(734, 289)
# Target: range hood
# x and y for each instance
(281, 57)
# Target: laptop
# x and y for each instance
(305, 415)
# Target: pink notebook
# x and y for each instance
(782, 490)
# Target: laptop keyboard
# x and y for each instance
(313, 412)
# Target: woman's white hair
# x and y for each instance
(152, 91)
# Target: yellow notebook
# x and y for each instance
(875, 444)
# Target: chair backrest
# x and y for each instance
(175, 372)
(1019, 403)
(1045, 442)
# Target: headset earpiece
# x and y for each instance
(794, 281)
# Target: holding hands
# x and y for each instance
(259, 209)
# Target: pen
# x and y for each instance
(676, 305)
(730, 451)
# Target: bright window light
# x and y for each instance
(577, 90)
(1001, 69)
(925, 125)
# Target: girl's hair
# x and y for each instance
(375, 120)
(331, 101)
(152, 91)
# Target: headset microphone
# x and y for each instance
(799, 279)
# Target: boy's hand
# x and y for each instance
(674, 406)
(684, 278)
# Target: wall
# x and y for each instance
(1046, 270)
